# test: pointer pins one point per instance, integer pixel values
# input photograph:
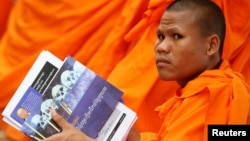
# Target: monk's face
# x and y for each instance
(180, 49)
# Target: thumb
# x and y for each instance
(59, 119)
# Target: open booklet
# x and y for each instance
(83, 98)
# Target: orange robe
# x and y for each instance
(115, 47)
(215, 97)
(237, 45)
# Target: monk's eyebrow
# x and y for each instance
(167, 30)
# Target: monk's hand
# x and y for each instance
(69, 132)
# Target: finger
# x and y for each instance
(59, 119)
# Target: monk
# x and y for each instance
(189, 50)
(139, 62)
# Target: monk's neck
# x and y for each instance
(184, 82)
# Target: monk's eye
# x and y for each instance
(160, 36)
(177, 36)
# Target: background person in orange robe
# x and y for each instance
(210, 92)
(63, 27)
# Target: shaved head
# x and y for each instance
(210, 18)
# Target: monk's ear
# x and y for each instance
(213, 44)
